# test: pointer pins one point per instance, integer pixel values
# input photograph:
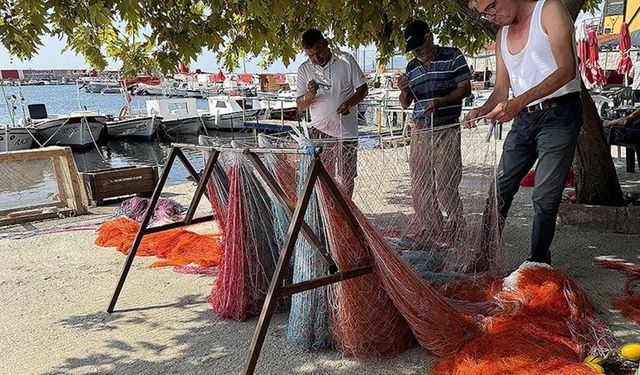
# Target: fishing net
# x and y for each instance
(27, 183)
(176, 247)
(250, 246)
(422, 211)
(629, 303)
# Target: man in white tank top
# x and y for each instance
(535, 59)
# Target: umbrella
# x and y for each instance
(583, 53)
(613, 43)
(625, 64)
(219, 77)
(592, 61)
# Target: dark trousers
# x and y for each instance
(548, 136)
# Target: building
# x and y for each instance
(615, 12)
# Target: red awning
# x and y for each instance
(9, 73)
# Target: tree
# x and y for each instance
(151, 35)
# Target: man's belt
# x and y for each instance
(552, 102)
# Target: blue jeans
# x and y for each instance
(550, 136)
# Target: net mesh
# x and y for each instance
(27, 183)
(427, 221)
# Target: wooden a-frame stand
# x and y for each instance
(316, 172)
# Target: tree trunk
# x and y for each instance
(596, 178)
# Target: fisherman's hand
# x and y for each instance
(403, 83)
(505, 111)
(432, 105)
(469, 120)
(312, 87)
(343, 109)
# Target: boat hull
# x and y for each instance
(14, 138)
(229, 121)
(187, 125)
(70, 131)
(140, 128)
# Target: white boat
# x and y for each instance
(146, 89)
(112, 90)
(78, 129)
(179, 115)
(143, 127)
(231, 112)
(281, 106)
(97, 86)
(14, 138)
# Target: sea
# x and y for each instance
(63, 99)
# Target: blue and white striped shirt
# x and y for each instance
(447, 68)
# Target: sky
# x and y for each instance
(50, 56)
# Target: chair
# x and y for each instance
(632, 146)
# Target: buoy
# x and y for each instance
(596, 367)
(631, 351)
(593, 359)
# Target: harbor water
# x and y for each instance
(113, 153)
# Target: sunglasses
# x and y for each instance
(489, 11)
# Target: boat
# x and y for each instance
(231, 112)
(148, 89)
(97, 86)
(13, 138)
(112, 90)
(78, 129)
(179, 115)
(281, 106)
(140, 127)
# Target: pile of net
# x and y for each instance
(175, 247)
(629, 303)
(422, 211)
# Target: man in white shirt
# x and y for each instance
(330, 85)
(635, 85)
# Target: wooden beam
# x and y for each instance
(282, 267)
(143, 227)
(289, 207)
(40, 153)
(324, 280)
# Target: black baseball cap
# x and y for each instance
(414, 34)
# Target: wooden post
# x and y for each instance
(289, 208)
(202, 184)
(282, 267)
(143, 227)
(276, 288)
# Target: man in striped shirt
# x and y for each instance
(436, 82)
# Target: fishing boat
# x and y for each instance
(281, 105)
(179, 115)
(231, 112)
(13, 138)
(112, 90)
(139, 127)
(96, 87)
(78, 129)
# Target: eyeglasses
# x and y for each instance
(489, 11)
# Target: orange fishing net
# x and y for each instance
(176, 247)
(629, 303)
(546, 326)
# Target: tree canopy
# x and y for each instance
(150, 35)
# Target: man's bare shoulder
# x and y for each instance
(555, 17)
